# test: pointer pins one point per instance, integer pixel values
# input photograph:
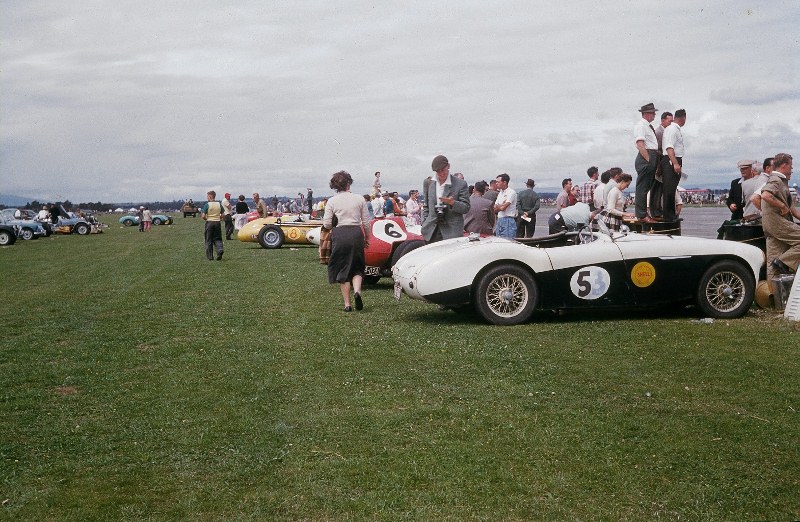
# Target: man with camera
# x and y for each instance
(446, 202)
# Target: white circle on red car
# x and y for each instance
(388, 231)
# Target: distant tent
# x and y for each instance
(119, 210)
(132, 209)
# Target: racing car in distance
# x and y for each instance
(505, 281)
(275, 231)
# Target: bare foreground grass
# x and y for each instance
(140, 381)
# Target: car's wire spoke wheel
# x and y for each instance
(726, 290)
(506, 295)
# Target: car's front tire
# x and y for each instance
(27, 234)
(82, 229)
(7, 238)
(156, 221)
(271, 236)
(506, 295)
(404, 248)
(726, 290)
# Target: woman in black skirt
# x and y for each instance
(349, 236)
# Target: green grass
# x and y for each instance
(140, 381)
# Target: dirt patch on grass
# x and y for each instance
(66, 390)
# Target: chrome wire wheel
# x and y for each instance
(506, 295)
(727, 290)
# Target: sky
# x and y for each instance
(140, 100)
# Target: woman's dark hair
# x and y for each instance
(341, 181)
(622, 178)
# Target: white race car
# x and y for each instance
(506, 280)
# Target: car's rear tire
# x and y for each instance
(726, 290)
(27, 234)
(7, 238)
(156, 221)
(404, 248)
(82, 229)
(271, 236)
(128, 223)
(506, 295)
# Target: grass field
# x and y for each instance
(142, 382)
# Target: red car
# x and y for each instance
(389, 240)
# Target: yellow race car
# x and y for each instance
(273, 232)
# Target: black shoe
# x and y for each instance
(219, 256)
(348, 308)
(780, 267)
(359, 301)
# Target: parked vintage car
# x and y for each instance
(275, 231)
(69, 223)
(8, 236)
(190, 209)
(158, 219)
(389, 240)
(26, 229)
(505, 281)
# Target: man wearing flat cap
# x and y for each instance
(735, 200)
(446, 202)
(647, 159)
(527, 205)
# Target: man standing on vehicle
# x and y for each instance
(527, 206)
(671, 165)
(646, 160)
(506, 208)
(446, 202)
(212, 213)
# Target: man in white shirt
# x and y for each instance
(752, 206)
(644, 136)
(506, 208)
(655, 202)
(672, 163)
(377, 205)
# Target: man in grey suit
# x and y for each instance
(446, 202)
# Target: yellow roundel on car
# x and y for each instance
(643, 274)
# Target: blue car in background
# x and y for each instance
(26, 229)
(158, 219)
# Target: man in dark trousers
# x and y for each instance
(212, 214)
(735, 200)
(527, 205)
(644, 135)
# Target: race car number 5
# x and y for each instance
(590, 282)
(388, 231)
